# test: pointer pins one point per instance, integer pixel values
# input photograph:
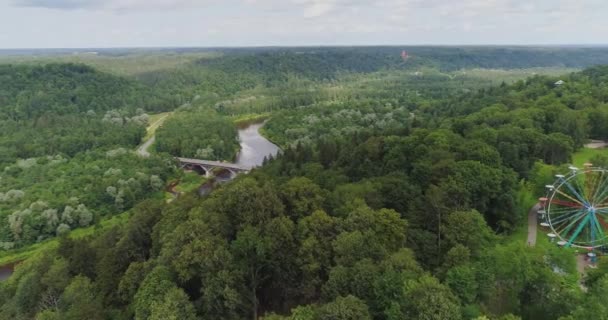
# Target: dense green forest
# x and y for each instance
(66, 134)
(69, 108)
(201, 135)
(212, 77)
(30, 92)
(401, 193)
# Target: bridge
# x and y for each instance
(205, 166)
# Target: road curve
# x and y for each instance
(142, 150)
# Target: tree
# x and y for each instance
(131, 280)
(174, 306)
(253, 253)
(301, 197)
(56, 279)
(152, 290)
(28, 293)
(246, 203)
(315, 233)
(428, 299)
(80, 301)
(48, 315)
(595, 303)
(344, 308)
(369, 234)
(467, 228)
(461, 280)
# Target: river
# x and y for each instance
(254, 147)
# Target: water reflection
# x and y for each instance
(6, 271)
(254, 147)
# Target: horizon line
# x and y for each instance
(580, 45)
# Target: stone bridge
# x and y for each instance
(204, 167)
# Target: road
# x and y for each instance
(597, 144)
(533, 225)
(143, 149)
(151, 129)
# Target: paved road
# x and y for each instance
(533, 225)
(143, 149)
(581, 267)
(597, 144)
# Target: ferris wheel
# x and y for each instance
(576, 208)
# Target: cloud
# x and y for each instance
(299, 22)
(57, 4)
(318, 8)
(113, 5)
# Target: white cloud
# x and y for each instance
(31, 23)
(118, 5)
(318, 8)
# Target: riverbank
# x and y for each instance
(243, 121)
(247, 120)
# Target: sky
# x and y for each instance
(234, 23)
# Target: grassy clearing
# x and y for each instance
(190, 182)
(585, 155)
(21, 254)
(496, 76)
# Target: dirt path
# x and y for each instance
(533, 225)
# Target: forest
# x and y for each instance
(402, 191)
(200, 135)
(66, 131)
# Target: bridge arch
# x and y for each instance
(206, 167)
(201, 170)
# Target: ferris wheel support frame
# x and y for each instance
(578, 208)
